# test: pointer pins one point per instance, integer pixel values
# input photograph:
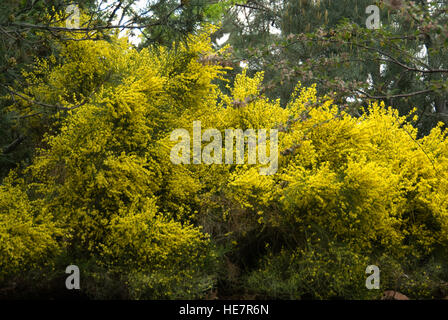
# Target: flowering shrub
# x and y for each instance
(102, 187)
(365, 181)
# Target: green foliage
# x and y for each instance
(327, 42)
(313, 273)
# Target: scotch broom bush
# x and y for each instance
(102, 192)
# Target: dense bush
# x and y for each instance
(102, 192)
